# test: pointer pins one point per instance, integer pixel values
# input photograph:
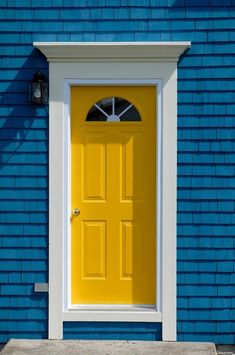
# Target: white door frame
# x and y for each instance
(135, 63)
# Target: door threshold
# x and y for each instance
(112, 313)
(114, 307)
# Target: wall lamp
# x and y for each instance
(38, 89)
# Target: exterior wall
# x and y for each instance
(206, 156)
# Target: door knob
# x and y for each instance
(76, 212)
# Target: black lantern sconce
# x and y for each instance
(38, 89)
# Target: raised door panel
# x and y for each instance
(131, 250)
(93, 250)
(132, 164)
(93, 166)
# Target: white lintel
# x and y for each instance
(70, 51)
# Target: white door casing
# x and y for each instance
(118, 63)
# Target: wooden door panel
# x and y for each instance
(93, 251)
(93, 166)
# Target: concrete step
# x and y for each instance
(84, 347)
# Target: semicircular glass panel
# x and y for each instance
(113, 109)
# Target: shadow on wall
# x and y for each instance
(22, 122)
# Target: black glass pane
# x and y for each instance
(95, 115)
(120, 105)
(131, 115)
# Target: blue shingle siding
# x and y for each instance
(112, 331)
(206, 184)
(206, 156)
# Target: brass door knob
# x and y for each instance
(76, 212)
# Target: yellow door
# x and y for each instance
(113, 250)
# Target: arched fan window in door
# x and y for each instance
(113, 109)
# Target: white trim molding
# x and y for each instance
(94, 51)
(135, 63)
